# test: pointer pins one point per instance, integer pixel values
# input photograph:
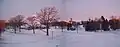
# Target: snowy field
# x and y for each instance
(60, 39)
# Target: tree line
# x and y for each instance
(45, 16)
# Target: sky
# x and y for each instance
(84, 9)
(76, 9)
(12, 8)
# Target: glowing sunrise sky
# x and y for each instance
(77, 9)
(83, 9)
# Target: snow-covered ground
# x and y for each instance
(93, 39)
(60, 39)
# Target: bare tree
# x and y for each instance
(32, 23)
(20, 21)
(13, 23)
(16, 22)
(113, 17)
(46, 15)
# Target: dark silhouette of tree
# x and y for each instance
(47, 15)
(102, 18)
(114, 23)
(63, 24)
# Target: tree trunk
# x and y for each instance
(62, 28)
(55, 27)
(33, 30)
(47, 30)
(19, 29)
(40, 27)
(15, 30)
(77, 28)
